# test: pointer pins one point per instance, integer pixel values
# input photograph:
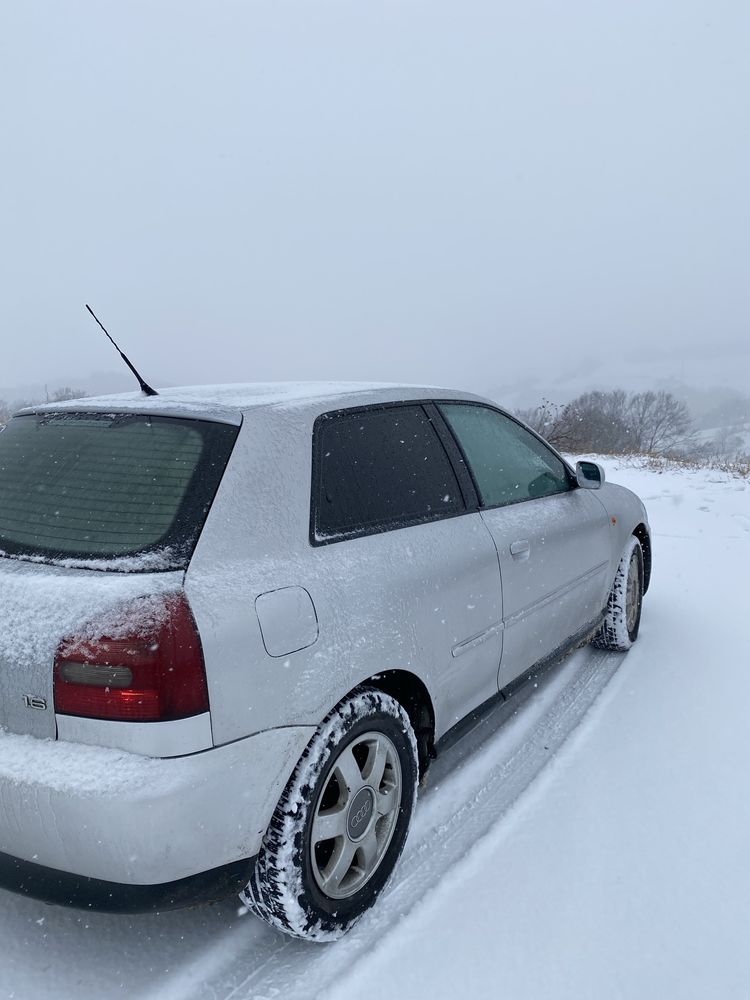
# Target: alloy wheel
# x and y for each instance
(355, 815)
(633, 593)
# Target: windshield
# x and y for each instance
(89, 486)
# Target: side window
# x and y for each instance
(377, 469)
(509, 464)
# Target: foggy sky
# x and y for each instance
(468, 193)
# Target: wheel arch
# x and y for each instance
(641, 532)
(412, 693)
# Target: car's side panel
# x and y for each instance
(425, 598)
(554, 558)
(628, 511)
(374, 596)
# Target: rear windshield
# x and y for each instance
(88, 486)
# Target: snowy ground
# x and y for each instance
(591, 841)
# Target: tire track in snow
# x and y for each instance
(468, 792)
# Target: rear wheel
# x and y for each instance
(342, 821)
(623, 619)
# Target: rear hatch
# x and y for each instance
(99, 516)
(43, 606)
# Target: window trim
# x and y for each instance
(453, 457)
(572, 483)
(456, 456)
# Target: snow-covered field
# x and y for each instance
(590, 840)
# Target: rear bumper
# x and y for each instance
(110, 816)
(29, 879)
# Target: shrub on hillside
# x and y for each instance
(616, 423)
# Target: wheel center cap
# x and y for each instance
(360, 813)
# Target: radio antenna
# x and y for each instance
(145, 387)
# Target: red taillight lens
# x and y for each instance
(145, 674)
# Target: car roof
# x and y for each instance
(227, 403)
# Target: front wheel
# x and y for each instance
(623, 618)
(342, 821)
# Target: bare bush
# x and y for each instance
(8, 409)
(56, 396)
(615, 423)
(659, 423)
(60, 395)
(543, 418)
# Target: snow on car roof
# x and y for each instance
(227, 402)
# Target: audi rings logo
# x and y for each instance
(359, 816)
(360, 812)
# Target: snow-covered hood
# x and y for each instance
(40, 605)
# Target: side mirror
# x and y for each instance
(589, 475)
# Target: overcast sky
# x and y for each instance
(467, 193)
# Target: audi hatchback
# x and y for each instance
(236, 622)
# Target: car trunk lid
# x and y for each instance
(40, 606)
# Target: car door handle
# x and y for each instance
(520, 549)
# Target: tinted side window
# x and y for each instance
(380, 468)
(509, 463)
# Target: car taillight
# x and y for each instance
(137, 674)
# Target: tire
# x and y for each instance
(623, 619)
(357, 781)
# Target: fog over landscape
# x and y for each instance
(252, 637)
(523, 200)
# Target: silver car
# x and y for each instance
(237, 623)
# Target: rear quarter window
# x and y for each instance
(379, 469)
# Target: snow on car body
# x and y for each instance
(196, 587)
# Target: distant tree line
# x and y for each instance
(56, 396)
(616, 422)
